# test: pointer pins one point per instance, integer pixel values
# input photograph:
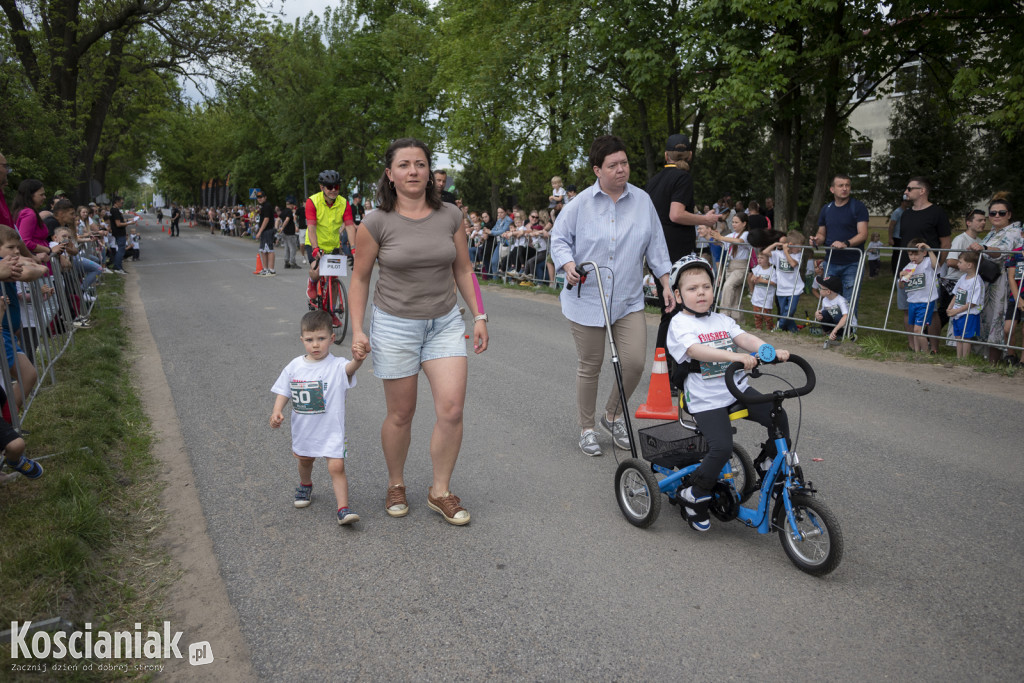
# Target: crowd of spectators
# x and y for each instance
(51, 254)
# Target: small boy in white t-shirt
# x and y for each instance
(316, 385)
(762, 293)
(968, 300)
(785, 256)
(874, 255)
(556, 200)
(714, 341)
(834, 310)
(918, 281)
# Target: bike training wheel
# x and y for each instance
(821, 549)
(744, 478)
(340, 310)
(637, 491)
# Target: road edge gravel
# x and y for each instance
(197, 603)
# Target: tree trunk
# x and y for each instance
(645, 135)
(798, 164)
(93, 130)
(782, 134)
(829, 126)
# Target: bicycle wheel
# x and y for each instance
(821, 549)
(744, 479)
(339, 311)
(637, 491)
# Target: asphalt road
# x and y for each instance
(549, 582)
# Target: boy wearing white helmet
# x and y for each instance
(707, 343)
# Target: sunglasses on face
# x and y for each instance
(998, 213)
(335, 186)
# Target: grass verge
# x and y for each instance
(76, 543)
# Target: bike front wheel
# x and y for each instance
(339, 312)
(636, 489)
(819, 547)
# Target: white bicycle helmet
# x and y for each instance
(687, 263)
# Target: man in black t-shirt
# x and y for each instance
(291, 239)
(175, 217)
(265, 235)
(119, 232)
(926, 221)
(671, 190)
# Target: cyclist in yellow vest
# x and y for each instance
(327, 215)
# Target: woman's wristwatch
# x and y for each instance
(482, 316)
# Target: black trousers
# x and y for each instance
(717, 430)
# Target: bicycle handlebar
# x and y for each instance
(808, 387)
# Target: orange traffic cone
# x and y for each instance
(162, 228)
(659, 394)
(259, 264)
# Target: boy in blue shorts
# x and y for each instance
(918, 281)
(709, 342)
(316, 385)
(968, 299)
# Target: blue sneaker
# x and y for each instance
(346, 516)
(29, 468)
(695, 509)
(303, 496)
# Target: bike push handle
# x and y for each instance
(808, 387)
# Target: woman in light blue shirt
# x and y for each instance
(615, 225)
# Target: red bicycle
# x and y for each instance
(328, 294)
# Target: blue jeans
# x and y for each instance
(847, 272)
(119, 256)
(92, 271)
(787, 309)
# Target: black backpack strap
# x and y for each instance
(680, 372)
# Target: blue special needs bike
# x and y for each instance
(808, 530)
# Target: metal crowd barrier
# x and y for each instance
(826, 253)
(47, 326)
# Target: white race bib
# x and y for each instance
(335, 265)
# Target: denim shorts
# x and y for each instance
(11, 347)
(401, 345)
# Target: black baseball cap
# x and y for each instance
(675, 140)
(832, 283)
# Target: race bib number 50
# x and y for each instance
(308, 397)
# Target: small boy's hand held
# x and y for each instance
(276, 418)
(749, 362)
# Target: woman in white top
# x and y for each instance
(739, 258)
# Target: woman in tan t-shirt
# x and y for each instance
(418, 244)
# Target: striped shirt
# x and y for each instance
(617, 235)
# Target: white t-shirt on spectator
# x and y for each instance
(787, 278)
(968, 290)
(921, 287)
(763, 296)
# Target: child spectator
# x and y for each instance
(762, 293)
(557, 197)
(316, 384)
(739, 255)
(711, 341)
(134, 240)
(874, 255)
(968, 298)
(785, 257)
(834, 310)
(11, 442)
(22, 268)
(918, 280)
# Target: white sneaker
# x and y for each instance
(106, 271)
(588, 443)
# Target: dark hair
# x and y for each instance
(924, 182)
(976, 212)
(742, 216)
(23, 197)
(1004, 202)
(63, 204)
(970, 256)
(754, 206)
(314, 321)
(841, 176)
(386, 195)
(603, 146)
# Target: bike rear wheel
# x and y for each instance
(339, 310)
(637, 492)
(820, 547)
